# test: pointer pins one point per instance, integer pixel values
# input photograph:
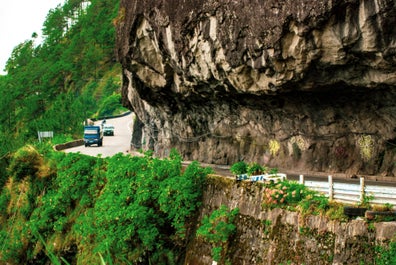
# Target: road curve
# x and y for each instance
(119, 143)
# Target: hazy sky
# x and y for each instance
(18, 20)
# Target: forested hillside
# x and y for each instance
(57, 84)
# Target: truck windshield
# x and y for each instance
(92, 131)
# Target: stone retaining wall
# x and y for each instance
(279, 236)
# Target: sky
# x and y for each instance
(18, 20)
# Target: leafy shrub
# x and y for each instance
(255, 169)
(13, 241)
(4, 199)
(295, 196)
(144, 207)
(25, 162)
(76, 184)
(4, 163)
(217, 228)
(314, 203)
(239, 168)
(181, 195)
(283, 193)
(110, 105)
(386, 255)
(60, 139)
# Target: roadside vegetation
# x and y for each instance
(216, 229)
(70, 208)
(291, 195)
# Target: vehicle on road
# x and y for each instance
(108, 129)
(93, 135)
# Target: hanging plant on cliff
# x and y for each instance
(217, 228)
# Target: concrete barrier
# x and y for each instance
(60, 147)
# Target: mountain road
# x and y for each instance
(119, 143)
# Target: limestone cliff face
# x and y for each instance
(292, 84)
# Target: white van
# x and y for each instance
(108, 129)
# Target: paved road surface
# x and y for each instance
(119, 143)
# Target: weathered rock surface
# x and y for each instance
(282, 237)
(292, 84)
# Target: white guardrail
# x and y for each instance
(263, 178)
(338, 191)
(351, 192)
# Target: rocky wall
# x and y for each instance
(283, 237)
(292, 84)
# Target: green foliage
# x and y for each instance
(334, 211)
(273, 171)
(143, 196)
(60, 139)
(239, 168)
(77, 183)
(386, 255)
(4, 163)
(4, 200)
(25, 162)
(284, 193)
(54, 259)
(367, 198)
(184, 191)
(314, 203)
(292, 195)
(255, 169)
(217, 228)
(13, 242)
(110, 106)
(121, 209)
(388, 206)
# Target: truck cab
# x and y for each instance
(93, 135)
